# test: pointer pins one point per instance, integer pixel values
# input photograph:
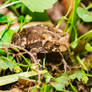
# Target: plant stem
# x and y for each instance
(73, 88)
(8, 1)
(4, 6)
(81, 62)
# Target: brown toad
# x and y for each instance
(42, 39)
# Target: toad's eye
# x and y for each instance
(48, 45)
(56, 44)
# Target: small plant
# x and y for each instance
(18, 64)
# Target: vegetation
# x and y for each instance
(16, 64)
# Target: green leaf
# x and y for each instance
(14, 77)
(27, 19)
(7, 36)
(85, 15)
(21, 19)
(48, 77)
(77, 75)
(45, 88)
(36, 16)
(58, 86)
(63, 79)
(88, 47)
(80, 75)
(74, 44)
(61, 82)
(2, 52)
(4, 63)
(16, 68)
(3, 18)
(38, 5)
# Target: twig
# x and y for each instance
(11, 45)
(21, 48)
(64, 62)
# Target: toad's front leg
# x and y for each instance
(34, 51)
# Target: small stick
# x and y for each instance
(21, 48)
(64, 62)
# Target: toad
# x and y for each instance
(42, 39)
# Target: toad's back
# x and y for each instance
(42, 39)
